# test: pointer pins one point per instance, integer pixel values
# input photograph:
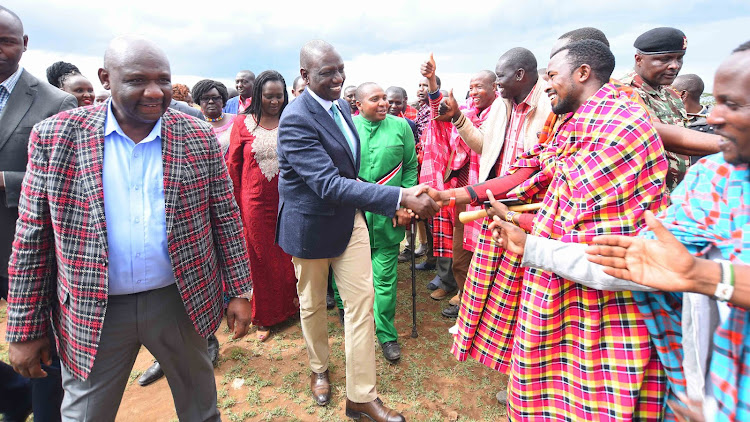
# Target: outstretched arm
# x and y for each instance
(665, 264)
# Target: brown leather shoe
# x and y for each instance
(440, 294)
(455, 300)
(321, 388)
(374, 411)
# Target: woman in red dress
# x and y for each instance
(254, 168)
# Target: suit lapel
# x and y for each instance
(173, 153)
(18, 104)
(90, 154)
(321, 116)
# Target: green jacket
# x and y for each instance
(384, 146)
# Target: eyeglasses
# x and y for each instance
(206, 100)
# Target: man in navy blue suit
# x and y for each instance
(321, 224)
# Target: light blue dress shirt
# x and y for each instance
(133, 181)
(6, 87)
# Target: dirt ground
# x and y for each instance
(270, 381)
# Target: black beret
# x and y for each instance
(661, 41)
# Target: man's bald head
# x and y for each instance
(323, 69)
(519, 58)
(516, 73)
(313, 50)
(125, 49)
(14, 42)
(486, 76)
(364, 89)
(691, 83)
(137, 74)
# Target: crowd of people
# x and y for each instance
(590, 233)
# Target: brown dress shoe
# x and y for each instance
(374, 411)
(440, 294)
(455, 300)
(321, 388)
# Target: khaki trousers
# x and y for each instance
(353, 273)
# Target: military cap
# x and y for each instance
(661, 41)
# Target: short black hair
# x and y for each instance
(361, 88)
(294, 83)
(203, 86)
(691, 83)
(593, 53)
(586, 33)
(743, 47)
(397, 89)
(520, 58)
(59, 71)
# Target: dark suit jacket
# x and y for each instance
(318, 190)
(30, 102)
(60, 253)
(185, 108)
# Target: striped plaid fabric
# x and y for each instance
(489, 305)
(436, 157)
(462, 156)
(580, 354)
(59, 260)
(710, 210)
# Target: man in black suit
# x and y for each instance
(321, 224)
(24, 102)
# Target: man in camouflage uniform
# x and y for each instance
(658, 60)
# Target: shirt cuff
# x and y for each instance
(398, 204)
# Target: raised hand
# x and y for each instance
(416, 199)
(663, 263)
(448, 107)
(428, 68)
(508, 236)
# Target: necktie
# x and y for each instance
(340, 122)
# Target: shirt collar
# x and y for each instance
(323, 103)
(111, 125)
(12, 80)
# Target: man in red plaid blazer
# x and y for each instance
(84, 208)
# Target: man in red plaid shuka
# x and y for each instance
(579, 353)
(575, 353)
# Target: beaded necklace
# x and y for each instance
(208, 119)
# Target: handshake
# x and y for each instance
(420, 201)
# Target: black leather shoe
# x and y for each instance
(341, 317)
(213, 348)
(320, 387)
(152, 374)
(330, 302)
(450, 312)
(425, 266)
(405, 255)
(374, 410)
(391, 351)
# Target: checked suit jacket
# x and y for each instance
(60, 255)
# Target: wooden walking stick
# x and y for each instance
(469, 216)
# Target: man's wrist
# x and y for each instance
(704, 276)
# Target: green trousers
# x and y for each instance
(384, 278)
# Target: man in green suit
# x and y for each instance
(388, 157)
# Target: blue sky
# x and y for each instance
(382, 41)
